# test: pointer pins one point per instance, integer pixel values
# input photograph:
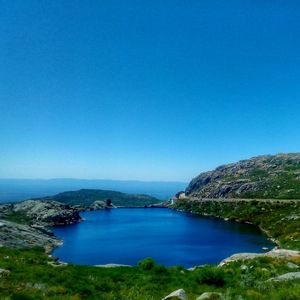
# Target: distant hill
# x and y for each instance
(12, 190)
(269, 176)
(86, 197)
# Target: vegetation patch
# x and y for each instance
(86, 197)
(17, 217)
(32, 276)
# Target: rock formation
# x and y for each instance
(47, 212)
(15, 235)
(25, 224)
(270, 176)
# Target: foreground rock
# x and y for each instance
(210, 296)
(4, 273)
(287, 276)
(275, 253)
(178, 294)
(15, 235)
(291, 265)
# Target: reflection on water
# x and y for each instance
(126, 236)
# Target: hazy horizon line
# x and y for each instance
(93, 179)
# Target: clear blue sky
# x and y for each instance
(150, 90)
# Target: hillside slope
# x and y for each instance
(86, 197)
(261, 177)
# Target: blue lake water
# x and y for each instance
(125, 236)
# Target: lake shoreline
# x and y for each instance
(264, 231)
(58, 254)
(262, 213)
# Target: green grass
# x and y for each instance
(17, 217)
(32, 277)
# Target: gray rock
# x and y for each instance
(57, 264)
(178, 294)
(292, 265)
(287, 276)
(98, 205)
(37, 286)
(210, 296)
(275, 253)
(112, 266)
(40, 215)
(15, 235)
(4, 273)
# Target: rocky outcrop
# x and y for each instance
(286, 276)
(25, 224)
(97, 205)
(15, 235)
(270, 176)
(275, 253)
(47, 212)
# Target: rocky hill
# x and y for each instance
(87, 197)
(47, 213)
(26, 224)
(261, 177)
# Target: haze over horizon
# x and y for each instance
(159, 91)
(22, 189)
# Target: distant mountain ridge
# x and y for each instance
(86, 197)
(267, 176)
(12, 190)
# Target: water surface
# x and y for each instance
(125, 236)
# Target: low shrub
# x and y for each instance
(211, 275)
(147, 264)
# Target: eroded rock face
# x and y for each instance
(15, 235)
(48, 212)
(98, 205)
(258, 177)
(36, 218)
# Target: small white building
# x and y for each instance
(173, 200)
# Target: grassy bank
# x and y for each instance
(33, 276)
(279, 219)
